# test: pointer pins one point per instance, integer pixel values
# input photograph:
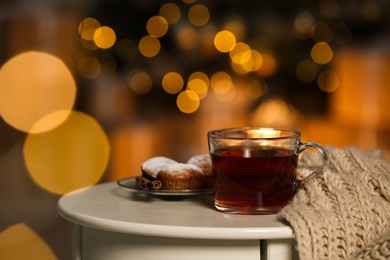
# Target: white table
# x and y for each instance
(110, 222)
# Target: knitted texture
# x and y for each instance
(345, 212)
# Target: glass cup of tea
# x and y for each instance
(255, 168)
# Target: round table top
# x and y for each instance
(110, 207)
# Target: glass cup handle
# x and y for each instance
(302, 147)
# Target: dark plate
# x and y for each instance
(131, 184)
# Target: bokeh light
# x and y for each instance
(88, 27)
(224, 41)
(89, 66)
(33, 85)
(276, 112)
(198, 15)
(149, 46)
(256, 89)
(201, 76)
(172, 82)
(140, 81)
(157, 26)
(321, 53)
(242, 65)
(268, 65)
(188, 101)
(236, 25)
(241, 53)
(223, 87)
(198, 82)
(89, 45)
(104, 37)
(328, 81)
(22, 242)
(171, 12)
(71, 156)
(257, 60)
(188, 38)
(198, 86)
(303, 25)
(322, 33)
(227, 95)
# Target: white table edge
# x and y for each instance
(221, 233)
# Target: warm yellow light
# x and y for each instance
(73, 155)
(33, 85)
(88, 27)
(89, 45)
(269, 65)
(21, 242)
(276, 113)
(104, 37)
(263, 133)
(199, 75)
(328, 81)
(149, 46)
(221, 82)
(241, 53)
(171, 12)
(224, 41)
(227, 94)
(242, 65)
(321, 53)
(198, 86)
(188, 101)
(188, 38)
(157, 26)
(140, 82)
(256, 89)
(306, 70)
(242, 68)
(172, 82)
(199, 82)
(198, 15)
(223, 87)
(257, 60)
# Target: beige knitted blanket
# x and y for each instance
(344, 213)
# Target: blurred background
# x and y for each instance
(91, 89)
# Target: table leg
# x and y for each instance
(76, 242)
(280, 249)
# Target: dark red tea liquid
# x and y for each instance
(253, 180)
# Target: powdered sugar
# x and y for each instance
(199, 159)
(177, 168)
(155, 164)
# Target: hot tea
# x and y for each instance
(253, 178)
(255, 168)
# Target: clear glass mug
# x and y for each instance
(255, 168)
